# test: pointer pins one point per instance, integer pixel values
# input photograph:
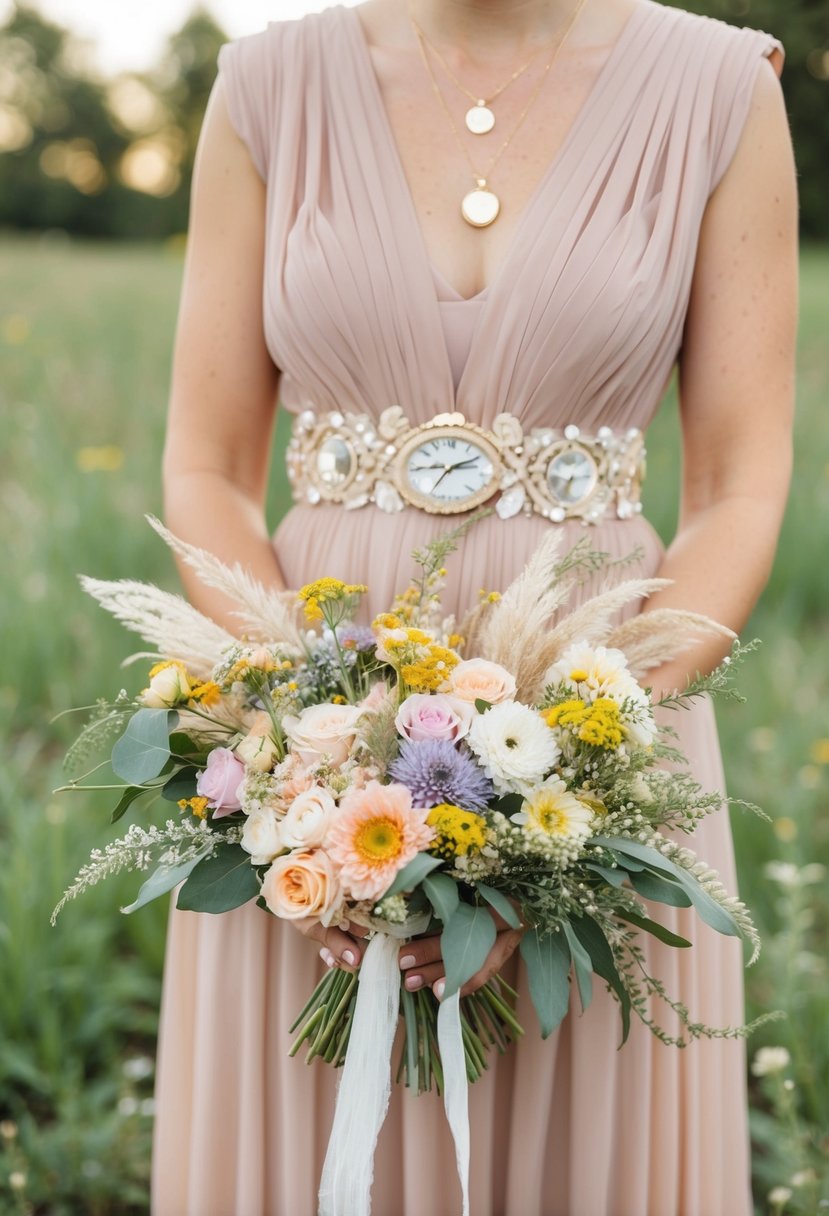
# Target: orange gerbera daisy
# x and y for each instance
(375, 834)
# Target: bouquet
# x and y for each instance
(419, 775)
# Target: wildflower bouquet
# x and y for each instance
(420, 775)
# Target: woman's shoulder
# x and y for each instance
(709, 37)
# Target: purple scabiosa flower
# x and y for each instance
(434, 771)
(356, 637)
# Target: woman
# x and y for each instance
(357, 242)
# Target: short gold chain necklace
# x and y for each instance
(481, 206)
(480, 119)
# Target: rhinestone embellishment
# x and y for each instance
(559, 473)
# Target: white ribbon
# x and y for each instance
(365, 1086)
(455, 1086)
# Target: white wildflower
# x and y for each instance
(770, 1059)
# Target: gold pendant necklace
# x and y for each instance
(481, 206)
(479, 118)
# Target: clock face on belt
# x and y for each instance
(445, 469)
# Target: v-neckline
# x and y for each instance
(605, 73)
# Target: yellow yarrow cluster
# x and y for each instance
(423, 665)
(326, 591)
(598, 722)
(207, 694)
(197, 805)
(457, 831)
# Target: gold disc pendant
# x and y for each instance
(479, 118)
(480, 206)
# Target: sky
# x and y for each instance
(130, 34)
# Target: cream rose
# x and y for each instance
(307, 820)
(474, 679)
(168, 686)
(258, 750)
(322, 730)
(303, 884)
(434, 716)
(261, 836)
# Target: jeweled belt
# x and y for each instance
(449, 465)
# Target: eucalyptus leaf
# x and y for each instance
(500, 903)
(220, 883)
(126, 800)
(163, 880)
(583, 967)
(615, 877)
(481, 705)
(652, 926)
(707, 907)
(182, 784)
(413, 874)
(662, 890)
(442, 893)
(144, 748)
(465, 943)
(590, 934)
(547, 958)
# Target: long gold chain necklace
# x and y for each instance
(480, 118)
(481, 206)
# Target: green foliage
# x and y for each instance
(547, 958)
(220, 883)
(143, 749)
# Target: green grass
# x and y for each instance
(85, 344)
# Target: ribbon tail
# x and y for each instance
(365, 1086)
(455, 1086)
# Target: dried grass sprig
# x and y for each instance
(656, 637)
(266, 615)
(175, 628)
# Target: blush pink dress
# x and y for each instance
(583, 323)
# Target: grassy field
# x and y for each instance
(85, 340)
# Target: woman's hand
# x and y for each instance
(340, 947)
(422, 962)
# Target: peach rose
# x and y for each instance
(472, 679)
(303, 884)
(322, 730)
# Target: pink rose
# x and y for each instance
(219, 782)
(425, 716)
(478, 678)
(322, 730)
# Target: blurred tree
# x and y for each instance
(70, 156)
(115, 158)
(803, 28)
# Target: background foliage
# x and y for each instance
(113, 158)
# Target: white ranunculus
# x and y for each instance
(306, 823)
(262, 837)
(515, 746)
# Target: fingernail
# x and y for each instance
(408, 960)
(413, 982)
(349, 957)
(327, 957)
(438, 989)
